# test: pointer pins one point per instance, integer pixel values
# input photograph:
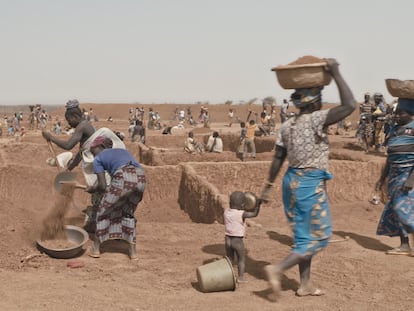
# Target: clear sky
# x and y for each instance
(183, 51)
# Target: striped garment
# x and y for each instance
(115, 216)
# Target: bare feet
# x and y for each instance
(273, 277)
(94, 249)
(399, 251)
(311, 291)
(93, 252)
(133, 251)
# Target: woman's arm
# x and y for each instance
(278, 159)
(348, 103)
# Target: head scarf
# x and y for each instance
(73, 103)
(98, 141)
(303, 97)
(406, 104)
(102, 141)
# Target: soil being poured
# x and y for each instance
(53, 224)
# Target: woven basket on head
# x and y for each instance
(302, 76)
(400, 88)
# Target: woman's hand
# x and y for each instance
(90, 189)
(264, 197)
(332, 66)
(408, 185)
(379, 185)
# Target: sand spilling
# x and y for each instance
(53, 224)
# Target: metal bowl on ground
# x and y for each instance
(74, 234)
(400, 88)
(302, 76)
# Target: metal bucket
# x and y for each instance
(216, 276)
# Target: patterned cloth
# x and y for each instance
(398, 215)
(115, 216)
(306, 207)
(305, 140)
(304, 97)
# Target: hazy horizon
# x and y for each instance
(101, 51)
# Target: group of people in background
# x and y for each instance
(375, 122)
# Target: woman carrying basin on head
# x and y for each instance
(303, 140)
(397, 218)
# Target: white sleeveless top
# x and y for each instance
(233, 222)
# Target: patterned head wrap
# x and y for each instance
(303, 97)
(406, 104)
(98, 141)
(73, 103)
(101, 141)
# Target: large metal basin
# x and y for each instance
(76, 235)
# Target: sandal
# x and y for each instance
(133, 252)
(398, 251)
(313, 292)
(94, 253)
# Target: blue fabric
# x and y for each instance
(406, 104)
(111, 160)
(306, 207)
(401, 136)
(398, 215)
(304, 97)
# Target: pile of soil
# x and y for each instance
(307, 59)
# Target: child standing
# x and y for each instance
(249, 140)
(235, 228)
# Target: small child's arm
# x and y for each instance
(253, 213)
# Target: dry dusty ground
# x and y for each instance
(356, 275)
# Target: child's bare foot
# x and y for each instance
(241, 280)
(309, 291)
(273, 277)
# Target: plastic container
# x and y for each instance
(216, 276)
(400, 88)
(302, 76)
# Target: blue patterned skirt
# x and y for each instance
(398, 215)
(307, 210)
